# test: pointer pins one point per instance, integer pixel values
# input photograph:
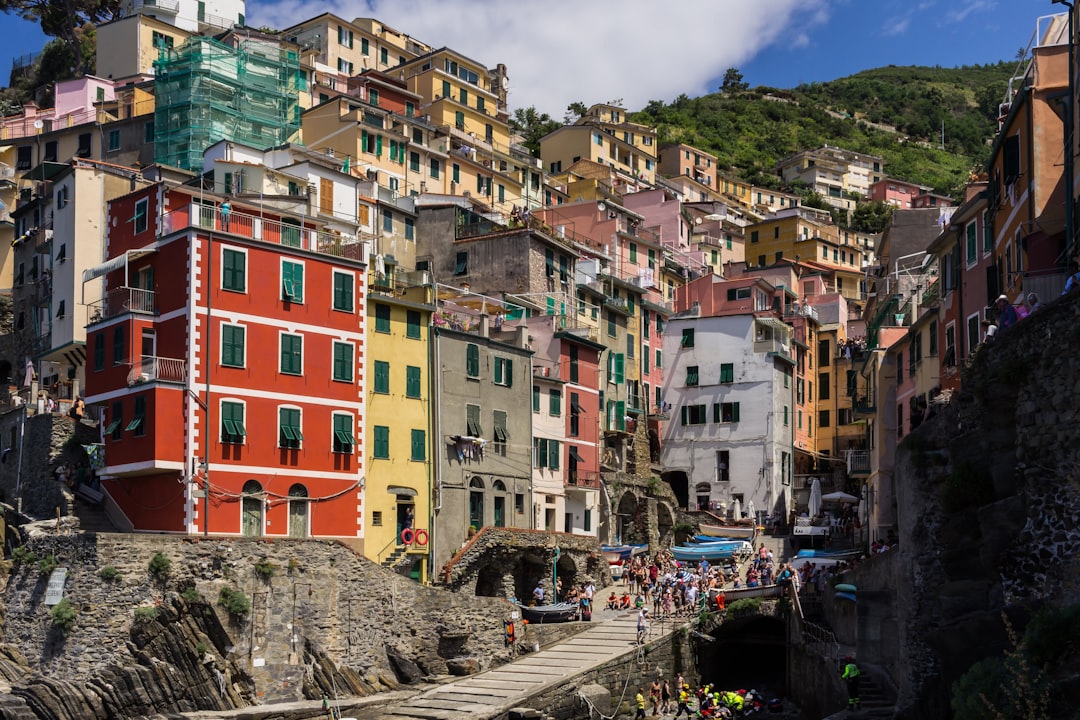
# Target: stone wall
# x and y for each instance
(989, 513)
(45, 446)
(322, 621)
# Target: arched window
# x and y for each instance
(499, 486)
(499, 503)
(251, 509)
(477, 482)
(298, 511)
(476, 503)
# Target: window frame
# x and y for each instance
(299, 356)
(288, 281)
(350, 279)
(290, 433)
(337, 441)
(242, 329)
(380, 446)
(351, 347)
(414, 376)
(226, 271)
(235, 435)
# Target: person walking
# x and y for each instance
(684, 702)
(665, 697)
(851, 675)
(642, 625)
(640, 700)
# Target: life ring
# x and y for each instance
(420, 536)
(407, 536)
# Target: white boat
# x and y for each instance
(730, 531)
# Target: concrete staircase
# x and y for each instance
(394, 558)
(92, 517)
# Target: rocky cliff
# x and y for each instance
(989, 514)
(223, 624)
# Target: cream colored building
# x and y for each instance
(127, 48)
(605, 136)
(840, 176)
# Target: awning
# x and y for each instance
(400, 490)
(773, 323)
(116, 263)
(574, 454)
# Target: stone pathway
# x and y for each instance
(494, 692)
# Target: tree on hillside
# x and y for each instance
(574, 111)
(733, 82)
(66, 20)
(871, 217)
(532, 125)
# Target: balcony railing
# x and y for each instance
(150, 6)
(119, 302)
(157, 369)
(288, 234)
(858, 462)
(583, 478)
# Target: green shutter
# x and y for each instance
(509, 372)
(716, 412)
(472, 414)
(291, 347)
(472, 361)
(382, 376)
(418, 445)
(536, 398)
(553, 454)
(382, 318)
(683, 415)
(620, 415)
(292, 281)
(727, 373)
(232, 277)
(498, 371)
(343, 362)
(343, 292)
(382, 442)
(412, 381)
(412, 324)
(734, 412)
(554, 402)
(620, 367)
(232, 346)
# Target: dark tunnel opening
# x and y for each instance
(747, 653)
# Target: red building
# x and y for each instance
(228, 356)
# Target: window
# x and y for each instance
(536, 398)
(289, 435)
(232, 423)
(292, 354)
(753, 236)
(727, 372)
(472, 361)
(728, 412)
(786, 413)
(412, 381)
(344, 36)
(617, 368)
(823, 386)
(115, 429)
(114, 144)
(504, 371)
(148, 132)
(382, 318)
(382, 377)
(461, 264)
(99, 352)
(365, 46)
(138, 423)
(412, 324)
(575, 414)
(554, 403)
(823, 419)
(688, 337)
(346, 67)
(343, 440)
(233, 270)
(292, 281)
(692, 415)
(612, 327)
(373, 94)
(388, 221)
(384, 56)
(343, 291)
(472, 421)
(692, 375)
(232, 345)
(343, 362)
(418, 445)
(120, 354)
(574, 376)
(410, 229)
(972, 244)
(723, 466)
(546, 453)
(498, 421)
(434, 168)
(141, 219)
(932, 332)
(823, 353)
(381, 442)
(659, 357)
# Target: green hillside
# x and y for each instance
(895, 112)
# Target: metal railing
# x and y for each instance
(24, 126)
(157, 369)
(172, 6)
(583, 478)
(858, 462)
(120, 301)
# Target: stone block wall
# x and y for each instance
(45, 446)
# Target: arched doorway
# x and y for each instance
(703, 495)
(566, 574)
(665, 524)
(626, 519)
(476, 503)
(499, 503)
(298, 511)
(490, 582)
(251, 509)
(680, 485)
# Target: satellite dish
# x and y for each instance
(39, 124)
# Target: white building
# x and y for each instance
(729, 385)
(191, 15)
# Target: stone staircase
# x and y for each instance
(527, 714)
(92, 517)
(393, 559)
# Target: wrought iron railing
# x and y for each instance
(157, 369)
(120, 301)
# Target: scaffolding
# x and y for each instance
(208, 91)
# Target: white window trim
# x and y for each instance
(221, 344)
(262, 500)
(303, 350)
(352, 284)
(221, 413)
(145, 202)
(277, 424)
(221, 274)
(970, 262)
(352, 354)
(355, 432)
(281, 278)
(971, 345)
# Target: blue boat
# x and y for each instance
(622, 553)
(828, 553)
(712, 553)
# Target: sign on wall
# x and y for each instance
(54, 593)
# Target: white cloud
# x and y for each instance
(960, 14)
(567, 51)
(897, 25)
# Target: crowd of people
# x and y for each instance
(707, 701)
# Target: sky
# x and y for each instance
(563, 51)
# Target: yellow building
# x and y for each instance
(8, 194)
(808, 235)
(127, 48)
(349, 48)
(603, 135)
(398, 489)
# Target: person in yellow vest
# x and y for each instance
(640, 699)
(684, 702)
(851, 675)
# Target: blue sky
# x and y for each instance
(615, 56)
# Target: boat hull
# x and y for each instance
(731, 531)
(540, 614)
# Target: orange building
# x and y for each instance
(228, 357)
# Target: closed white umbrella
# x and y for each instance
(736, 509)
(815, 498)
(751, 511)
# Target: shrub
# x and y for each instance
(744, 607)
(145, 613)
(47, 564)
(235, 602)
(160, 566)
(191, 595)
(200, 648)
(265, 569)
(24, 555)
(294, 564)
(63, 616)
(109, 574)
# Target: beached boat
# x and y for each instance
(621, 553)
(731, 531)
(540, 614)
(711, 551)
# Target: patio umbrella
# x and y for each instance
(736, 509)
(29, 378)
(815, 498)
(841, 497)
(751, 511)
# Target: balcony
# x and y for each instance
(121, 301)
(287, 233)
(397, 282)
(858, 462)
(583, 479)
(863, 405)
(157, 369)
(153, 6)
